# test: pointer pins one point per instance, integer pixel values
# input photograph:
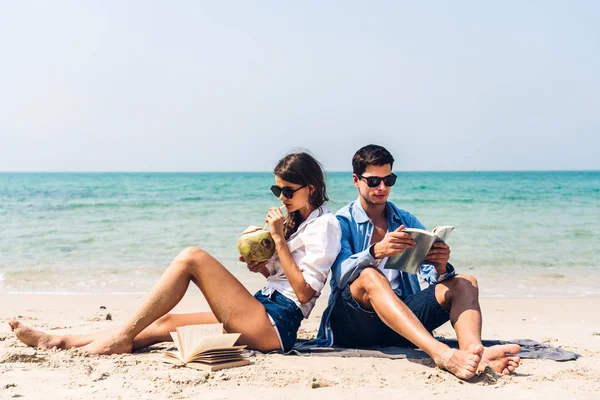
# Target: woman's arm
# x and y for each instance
(304, 292)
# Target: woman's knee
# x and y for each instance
(191, 255)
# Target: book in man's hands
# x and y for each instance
(205, 347)
(411, 259)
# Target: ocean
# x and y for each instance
(520, 233)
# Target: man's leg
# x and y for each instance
(372, 291)
(460, 297)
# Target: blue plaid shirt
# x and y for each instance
(357, 230)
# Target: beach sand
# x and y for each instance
(571, 323)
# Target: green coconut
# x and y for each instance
(256, 244)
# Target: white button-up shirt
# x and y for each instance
(314, 247)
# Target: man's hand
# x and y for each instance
(394, 243)
(439, 255)
(260, 267)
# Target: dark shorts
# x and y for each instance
(285, 314)
(353, 326)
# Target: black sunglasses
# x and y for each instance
(287, 191)
(374, 181)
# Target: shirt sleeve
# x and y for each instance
(430, 275)
(322, 244)
(348, 265)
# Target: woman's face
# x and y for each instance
(298, 199)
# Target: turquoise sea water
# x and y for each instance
(522, 233)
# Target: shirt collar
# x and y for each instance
(316, 213)
(360, 215)
(358, 212)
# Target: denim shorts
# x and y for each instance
(353, 326)
(285, 315)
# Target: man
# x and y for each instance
(373, 306)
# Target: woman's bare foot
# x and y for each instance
(461, 363)
(501, 358)
(33, 337)
(112, 345)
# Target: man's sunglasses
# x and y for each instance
(287, 191)
(374, 181)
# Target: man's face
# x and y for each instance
(376, 195)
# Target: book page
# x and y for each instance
(199, 345)
(201, 330)
(442, 232)
(212, 359)
(413, 231)
(176, 340)
(228, 350)
(217, 366)
(174, 356)
(189, 335)
(411, 259)
(177, 353)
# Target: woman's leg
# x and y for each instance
(158, 331)
(229, 300)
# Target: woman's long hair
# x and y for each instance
(302, 169)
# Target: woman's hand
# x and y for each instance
(275, 219)
(258, 267)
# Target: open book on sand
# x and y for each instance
(205, 347)
(411, 259)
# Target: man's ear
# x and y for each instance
(355, 179)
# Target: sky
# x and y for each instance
(234, 86)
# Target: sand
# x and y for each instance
(572, 323)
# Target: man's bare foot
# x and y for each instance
(461, 363)
(502, 359)
(33, 337)
(112, 345)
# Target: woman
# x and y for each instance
(307, 242)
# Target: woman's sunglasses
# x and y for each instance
(374, 181)
(287, 191)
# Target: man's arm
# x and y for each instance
(348, 264)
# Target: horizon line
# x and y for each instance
(262, 171)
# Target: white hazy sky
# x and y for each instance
(232, 86)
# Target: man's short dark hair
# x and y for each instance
(371, 154)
